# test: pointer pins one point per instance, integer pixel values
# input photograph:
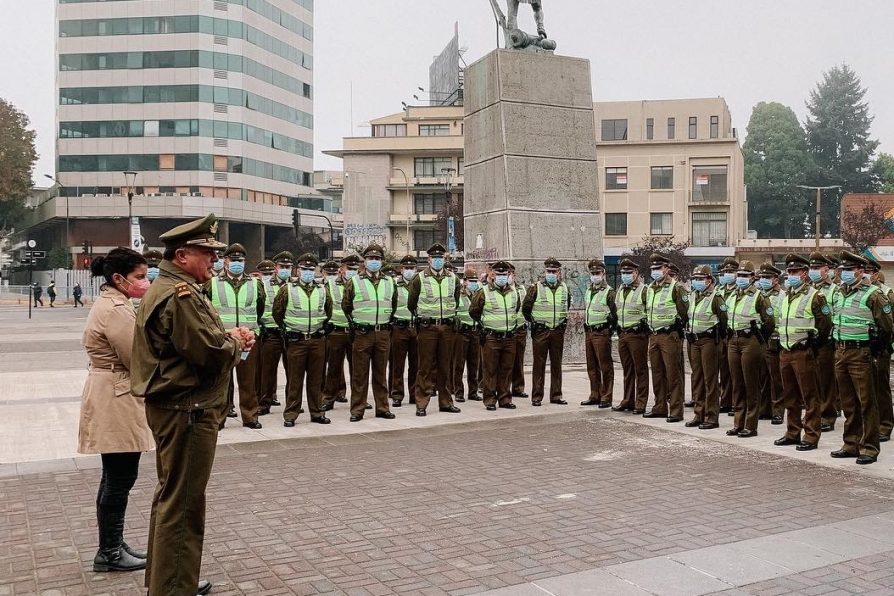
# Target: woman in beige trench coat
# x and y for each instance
(113, 422)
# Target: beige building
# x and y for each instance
(671, 168)
(397, 179)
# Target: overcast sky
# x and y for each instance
(751, 51)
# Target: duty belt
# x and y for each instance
(403, 324)
(370, 328)
(597, 328)
(464, 327)
(747, 333)
(851, 344)
(271, 332)
(499, 334)
(294, 336)
(430, 322)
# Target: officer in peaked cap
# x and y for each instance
(466, 343)
(882, 359)
(600, 321)
(707, 322)
(404, 346)
(726, 285)
(821, 278)
(270, 341)
(633, 337)
(182, 359)
(772, 408)
(338, 344)
(153, 259)
(545, 307)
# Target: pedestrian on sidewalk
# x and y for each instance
(113, 422)
(76, 293)
(37, 292)
(51, 292)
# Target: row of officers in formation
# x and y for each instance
(800, 347)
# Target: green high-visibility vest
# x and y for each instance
(851, 315)
(500, 310)
(236, 310)
(462, 313)
(337, 291)
(661, 310)
(796, 320)
(701, 316)
(403, 297)
(630, 306)
(372, 303)
(436, 297)
(521, 291)
(741, 309)
(597, 305)
(270, 290)
(551, 305)
(305, 313)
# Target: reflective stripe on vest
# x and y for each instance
(521, 291)
(270, 291)
(235, 311)
(305, 314)
(661, 310)
(597, 306)
(796, 318)
(337, 291)
(851, 314)
(499, 312)
(462, 314)
(551, 305)
(828, 291)
(436, 297)
(701, 315)
(631, 310)
(741, 310)
(403, 298)
(372, 304)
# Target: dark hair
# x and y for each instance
(170, 253)
(121, 261)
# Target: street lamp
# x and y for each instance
(130, 179)
(296, 223)
(409, 204)
(819, 197)
(67, 238)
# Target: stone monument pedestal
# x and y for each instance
(531, 179)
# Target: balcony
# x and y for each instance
(400, 219)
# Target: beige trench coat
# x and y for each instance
(112, 420)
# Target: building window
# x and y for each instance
(461, 166)
(423, 239)
(661, 224)
(709, 184)
(434, 130)
(614, 130)
(671, 128)
(615, 178)
(709, 229)
(615, 224)
(428, 203)
(662, 177)
(430, 167)
(389, 130)
(693, 127)
(715, 127)
(650, 128)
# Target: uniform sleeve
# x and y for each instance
(196, 337)
(328, 307)
(393, 297)
(279, 305)
(413, 289)
(768, 319)
(613, 305)
(682, 305)
(476, 305)
(459, 289)
(262, 298)
(528, 304)
(881, 312)
(823, 316)
(347, 299)
(119, 329)
(719, 307)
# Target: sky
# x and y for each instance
(745, 51)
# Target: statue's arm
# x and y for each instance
(498, 13)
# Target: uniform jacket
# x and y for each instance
(112, 419)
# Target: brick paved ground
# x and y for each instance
(452, 510)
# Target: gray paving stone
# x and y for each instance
(731, 565)
(590, 583)
(661, 575)
(519, 590)
(847, 544)
(874, 527)
(51, 466)
(788, 553)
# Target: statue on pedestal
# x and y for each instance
(516, 39)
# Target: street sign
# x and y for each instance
(25, 261)
(36, 254)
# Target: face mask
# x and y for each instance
(501, 280)
(794, 281)
(437, 263)
(329, 277)
(283, 274)
(152, 273)
(626, 278)
(307, 275)
(726, 278)
(351, 273)
(657, 274)
(409, 274)
(867, 277)
(699, 285)
(473, 286)
(815, 275)
(266, 278)
(765, 283)
(374, 265)
(218, 265)
(136, 289)
(551, 278)
(742, 282)
(596, 279)
(848, 277)
(236, 267)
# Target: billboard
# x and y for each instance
(444, 74)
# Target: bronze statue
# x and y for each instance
(515, 37)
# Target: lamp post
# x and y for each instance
(130, 179)
(448, 200)
(67, 239)
(296, 223)
(409, 204)
(819, 197)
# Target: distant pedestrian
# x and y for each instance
(76, 293)
(51, 292)
(37, 291)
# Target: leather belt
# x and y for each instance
(499, 334)
(851, 344)
(370, 328)
(431, 322)
(402, 323)
(298, 336)
(597, 328)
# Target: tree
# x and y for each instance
(838, 138)
(665, 245)
(17, 157)
(776, 160)
(883, 171)
(58, 258)
(864, 228)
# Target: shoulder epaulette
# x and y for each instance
(183, 290)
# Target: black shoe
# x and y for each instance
(490, 408)
(672, 419)
(805, 446)
(342, 399)
(652, 414)
(692, 423)
(733, 432)
(116, 559)
(386, 415)
(275, 402)
(203, 588)
(355, 418)
(369, 406)
(621, 409)
(604, 405)
(884, 438)
(289, 423)
(263, 411)
(138, 554)
(726, 409)
(320, 420)
(459, 399)
(590, 402)
(689, 404)
(475, 398)
(786, 441)
(508, 406)
(866, 459)
(420, 412)
(562, 402)
(842, 454)
(520, 394)
(395, 403)
(708, 425)
(536, 404)
(253, 425)
(450, 410)
(827, 427)
(637, 412)
(232, 413)
(776, 420)
(327, 407)
(745, 434)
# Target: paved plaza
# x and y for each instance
(552, 500)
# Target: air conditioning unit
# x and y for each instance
(195, 194)
(153, 194)
(102, 196)
(183, 194)
(87, 196)
(170, 194)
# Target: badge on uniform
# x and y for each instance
(886, 309)
(685, 297)
(826, 310)
(183, 290)
(723, 308)
(770, 311)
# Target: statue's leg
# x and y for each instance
(538, 16)
(512, 15)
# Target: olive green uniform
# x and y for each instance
(705, 309)
(825, 359)
(882, 365)
(548, 338)
(750, 323)
(601, 318)
(272, 350)
(498, 348)
(666, 350)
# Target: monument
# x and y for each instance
(531, 178)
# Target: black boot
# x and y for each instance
(111, 555)
(137, 554)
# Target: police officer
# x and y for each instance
(545, 307)
(667, 307)
(181, 361)
(496, 308)
(153, 259)
(600, 319)
(772, 407)
(882, 359)
(466, 343)
(862, 326)
(369, 303)
(804, 321)
(434, 297)
(633, 338)
(825, 357)
(240, 301)
(302, 310)
(726, 286)
(706, 325)
(274, 275)
(521, 338)
(339, 341)
(403, 338)
(750, 324)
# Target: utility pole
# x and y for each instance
(819, 199)
(409, 203)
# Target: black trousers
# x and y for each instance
(119, 474)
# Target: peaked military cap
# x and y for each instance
(374, 250)
(330, 267)
(470, 274)
(872, 264)
(437, 250)
(284, 258)
(746, 267)
(767, 268)
(701, 271)
(351, 259)
(409, 261)
(628, 266)
(552, 263)
(818, 259)
(729, 264)
(501, 267)
(308, 260)
(834, 260)
(201, 233)
(266, 266)
(153, 257)
(793, 261)
(448, 264)
(849, 260)
(389, 269)
(235, 250)
(595, 265)
(675, 269)
(659, 259)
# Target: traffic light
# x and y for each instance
(296, 219)
(85, 248)
(87, 263)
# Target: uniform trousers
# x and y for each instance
(800, 394)
(853, 371)
(370, 351)
(306, 360)
(600, 368)
(338, 348)
(633, 351)
(404, 354)
(771, 383)
(726, 383)
(665, 356)
(247, 380)
(272, 351)
(745, 359)
(498, 355)
(466, 355)
(435, 345)
(704, 359)
(882, 390)
(518, 364)
(185, 444)
(547, 343)
(825, 360)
